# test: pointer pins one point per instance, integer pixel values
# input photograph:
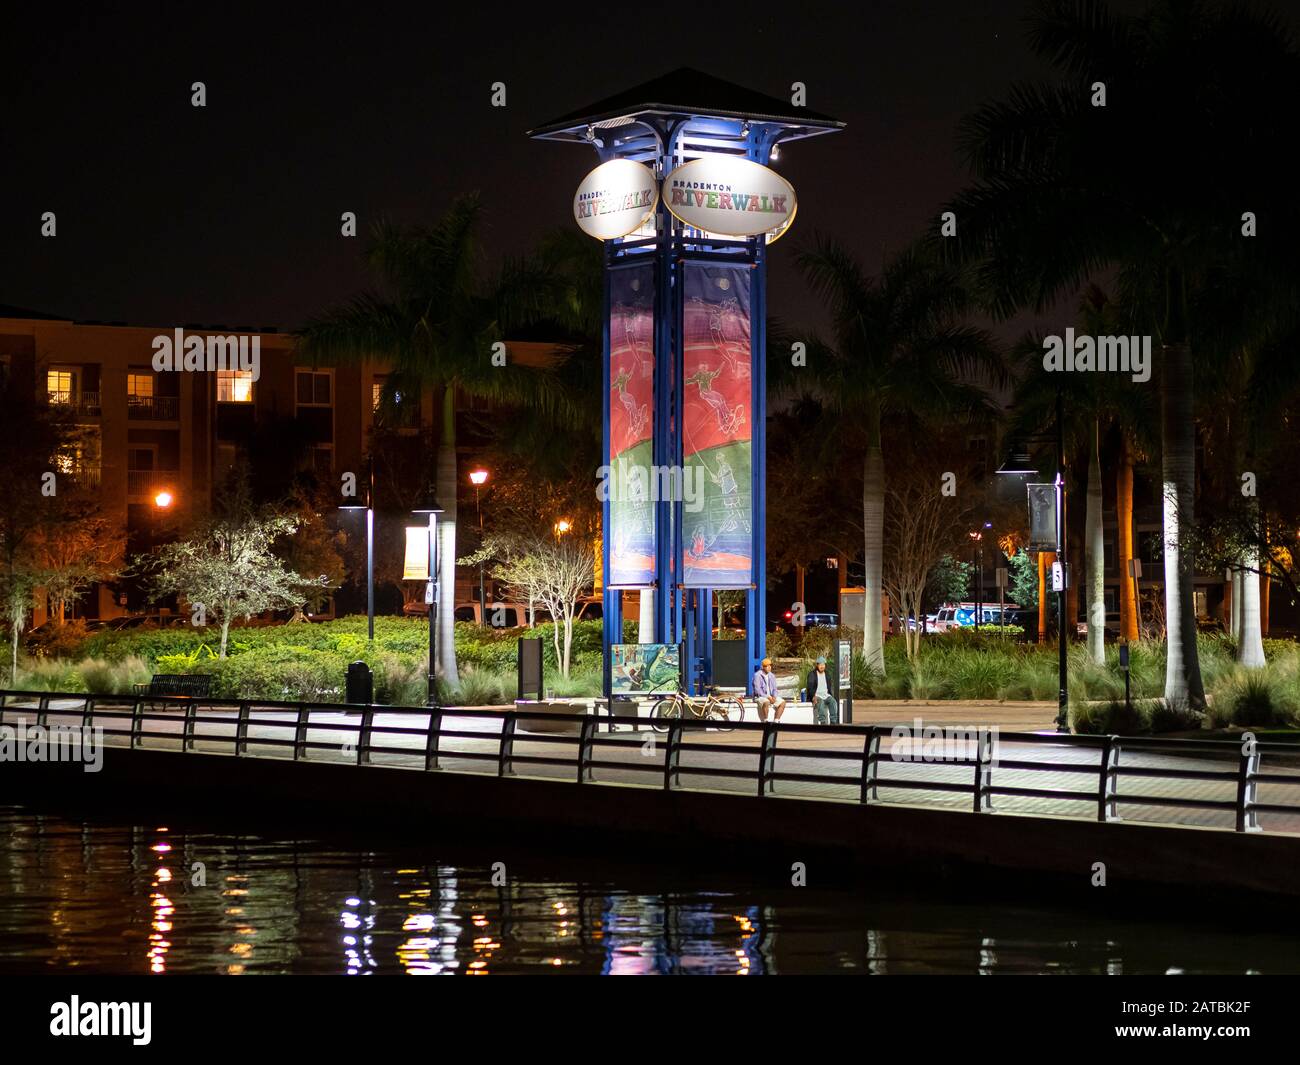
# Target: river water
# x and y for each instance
(102, 895)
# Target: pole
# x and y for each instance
(370, 555)
(979, 578)
(1063, 695)
(482, 593)
(433, 601)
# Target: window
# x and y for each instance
(139, 386)
(61, 385)
(376, 393)
(313, 388)
(234, 386)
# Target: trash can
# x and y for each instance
(361, 684)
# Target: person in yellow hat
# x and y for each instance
(765, 692)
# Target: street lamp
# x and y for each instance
(368, 505)
(478, 478)
(1020, 465)
(163, 499)
(427, 503)
(562, 526)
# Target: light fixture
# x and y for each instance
(163, 499)
(478, 477)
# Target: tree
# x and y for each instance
(38, 442)
(82, 547)
(1192, 106)
(555, 570)
(922, 530)
(437, 325)
(227, 569)
(313, 549)
(898, 346)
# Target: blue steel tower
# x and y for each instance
(664, 124)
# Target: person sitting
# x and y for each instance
(765, 692)
(823, 694)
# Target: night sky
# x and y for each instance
(171, 214)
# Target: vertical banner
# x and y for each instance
(717, 419)
(631, 427)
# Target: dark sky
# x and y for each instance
(230, 214)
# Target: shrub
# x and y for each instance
(1111, 716)
(779, 644)
(114, 678)
(52, 640)
(1253, 698)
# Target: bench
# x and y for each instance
(192, 685)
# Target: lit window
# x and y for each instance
(376, 393)
(139, 385)
(234, 386)
(61, 384)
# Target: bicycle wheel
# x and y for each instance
(726, 712)
(664, 713)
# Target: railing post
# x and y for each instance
(585, 733)
(868, 791)
(241, 730)
(766, 757)
(507, 750)
(137, 709)
(1108, 780)
(983, 771)
(300, 733)
(187, 734)
(88, 712)
(1247, 790)
(43, 710)
(672, 755)
(363, 739)
(431, 739)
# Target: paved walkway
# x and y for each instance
(637, 758)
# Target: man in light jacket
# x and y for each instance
(824, 694)
(765, 692)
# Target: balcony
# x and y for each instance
(83, 402)
(150, 482)
(153, 408)
(83, 476)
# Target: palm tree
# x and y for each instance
(434, 322)
(1163, 127)
(898, 347)
(1101, 407)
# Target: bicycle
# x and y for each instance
(722, 712)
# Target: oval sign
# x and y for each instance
(615, 199)
(728, 195)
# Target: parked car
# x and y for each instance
(962, 615)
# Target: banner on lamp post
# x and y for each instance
(415, 565)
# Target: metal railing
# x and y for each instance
(152, 408)
(129, 718)
(146, 482)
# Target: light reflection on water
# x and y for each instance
(103, 896)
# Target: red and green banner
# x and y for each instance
(717, 420)
(631, 427)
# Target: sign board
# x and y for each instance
(729, 196)
(415, 565)
(641, 668)
(844, 664)
(615, 199)
(1042, 517)
(1060, 576)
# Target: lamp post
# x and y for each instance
(978, 537)
(428, 504)
(478, 478)
(369, 507)
(1019, 465)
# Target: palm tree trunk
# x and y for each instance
(1128, 613)
(1096, 554)
(1183, 684)
(1264, 587)
(447, 485)
(1250, 640)
(1233, 588)
(873, 522)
